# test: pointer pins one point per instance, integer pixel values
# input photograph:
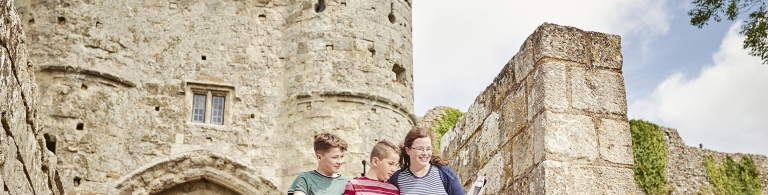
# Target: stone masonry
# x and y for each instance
(224, 97)
(27, 167)
(552, 122)
(118, 82)
(686, 173)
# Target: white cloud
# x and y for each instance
(460, 46)
(725, 107)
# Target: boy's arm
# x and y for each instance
(350, 189)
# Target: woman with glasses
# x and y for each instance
(421, 172)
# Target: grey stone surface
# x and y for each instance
(567, 178)
(568, 138)
(26, 164)
(117, 81)
(686, 173)
(605, 50)
(615, 140)
(554, 122)
(598, 91)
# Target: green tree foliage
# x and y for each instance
(650, 157)
(755, 28)
(446, 121)
(731, 177)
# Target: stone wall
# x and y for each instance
(432, 116)
(118, 78)
(686, 173)
(26, 164)
(552, 122)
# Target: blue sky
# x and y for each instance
(698, 81)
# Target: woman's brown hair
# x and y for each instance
(413, 134)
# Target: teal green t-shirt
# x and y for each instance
(315, 183)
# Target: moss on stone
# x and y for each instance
(444, 123)
(650, 157)
(730, 177)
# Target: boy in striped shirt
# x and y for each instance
(384, 158)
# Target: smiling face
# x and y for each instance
(330, 161)
(420, 152)
(385, 167)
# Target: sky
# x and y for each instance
(698, 81)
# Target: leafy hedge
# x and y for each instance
(731, 177)
(650, 157)
(446, 121)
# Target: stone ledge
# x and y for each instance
(89, 72)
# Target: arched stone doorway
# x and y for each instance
(198, 187)
(196, 172)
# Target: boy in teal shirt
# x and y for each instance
(329, 150)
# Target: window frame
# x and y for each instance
(210, 90)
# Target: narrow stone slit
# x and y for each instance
(76, 181)
(50, 142)
(399, 73)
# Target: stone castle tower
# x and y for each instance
(171, 96)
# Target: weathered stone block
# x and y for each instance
(568, 178)
(615, 141)
(606, 50)
(494, 172)
(522, 152)
(523, 61)
(560, 42)
(548, 91)
(598, 91)
(489, 140)
(567, 138)
(520, 186)
(514, 114)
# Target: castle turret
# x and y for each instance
(350, 72)
(165, 96)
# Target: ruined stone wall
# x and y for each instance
(686, 173)
(432, 115)
(117, 82)
(552, 122)
(26, 164)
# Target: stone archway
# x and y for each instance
(181, 172)
(198, 187)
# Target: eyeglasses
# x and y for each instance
(422, 149)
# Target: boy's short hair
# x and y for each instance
(325, 141)
(383, 149)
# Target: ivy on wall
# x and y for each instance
(731, 177)
(444, 123)
(650, 157)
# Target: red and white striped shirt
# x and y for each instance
(367, 186)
